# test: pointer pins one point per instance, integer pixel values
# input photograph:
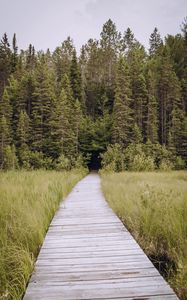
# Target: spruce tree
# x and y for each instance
(44, 96)
(6, 107)
(122, 113)
(5, 139)
(169, 93)
(155, 42)
(152, 109)
(75, 78)
(140, 97)
(129, 39)
(109, 42)
(136, 134)
(184, 77)
(23, 129)
(5, 62)
(23, 139)
(14, 58)
(138, 85)
(67, 123)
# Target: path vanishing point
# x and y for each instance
(88, 254)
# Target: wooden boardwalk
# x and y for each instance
(89, 254)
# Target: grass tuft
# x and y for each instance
(153, 206)
(28, 202)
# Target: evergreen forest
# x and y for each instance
(114, 104)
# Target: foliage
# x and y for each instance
(58, 104)
(141, 162)
(166, 165)
(10, 159)
(28, 201)
(113, 158)
(63, 163)
(140, 157)
(153, 207)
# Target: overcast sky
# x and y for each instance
(46, 23)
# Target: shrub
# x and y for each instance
(24, 157)
(179, 163)
(113, 158)
(80, 162)
(142, 163)
(131, 151)
(63, 163)
(166, 165)
(10, 158)
(140, 157)
(36, 160)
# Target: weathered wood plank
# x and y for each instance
(89, 254)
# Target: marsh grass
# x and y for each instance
(28, 201)
(153, 206)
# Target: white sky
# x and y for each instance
(46, 23)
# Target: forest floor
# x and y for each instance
(153, 206)
(28, 201)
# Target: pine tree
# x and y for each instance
(6, 107)
(169, 93)
(152, 109)
(44, 96)
(140, 97)
(184, 78)
(136, 134)
(78, 119)
(155, 42)
(27, 87)
(5, 139)
(75, 78)
(62, 57)
(16, 102)
(181, 148)
(5, 62)
(23, 132)
(14, 58)
(67, 125)
(31, 60)
(129, 39)
(135, 58)
(23, 129)
(109, 35)
(55, 142)
(109, 43)
(122, 114)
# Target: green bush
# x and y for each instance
(141, 162)
(24, 157)
(113, 158)
(80, 162)
(36, 160)
(63, 163)
(179, 163)
(140, 157)
(166, 165)
(10, 159)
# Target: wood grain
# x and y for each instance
(88, 254)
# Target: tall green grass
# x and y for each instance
(28, 201)
(153, 206)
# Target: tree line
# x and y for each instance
(58, 108)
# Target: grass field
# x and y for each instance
(28, 201)
(153, 206)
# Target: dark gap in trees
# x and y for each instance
(95, 161)
(57, 107)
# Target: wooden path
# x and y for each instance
(88, 254)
